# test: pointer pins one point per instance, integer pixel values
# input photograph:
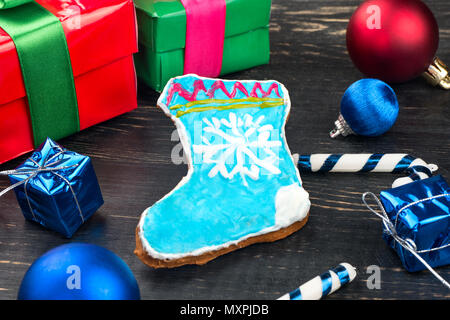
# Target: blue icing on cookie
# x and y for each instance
(239, 163)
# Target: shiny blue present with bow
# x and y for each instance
(57, 188)
(419, 213)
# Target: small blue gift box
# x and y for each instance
(57, 188)
(420, 213)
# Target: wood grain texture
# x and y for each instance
(132, 159)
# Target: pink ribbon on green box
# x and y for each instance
(205, 34)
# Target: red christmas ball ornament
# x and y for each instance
(396, 41)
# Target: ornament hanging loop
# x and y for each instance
(341, 128)
(438, 74)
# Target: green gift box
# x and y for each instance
(162, 38)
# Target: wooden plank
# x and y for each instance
(131, 155)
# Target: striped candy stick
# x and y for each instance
(415, 173)
(360, 162)
(323, 285)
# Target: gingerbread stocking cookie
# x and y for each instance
(242, 185)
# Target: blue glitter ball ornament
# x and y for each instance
(79, 271)
(369, 108)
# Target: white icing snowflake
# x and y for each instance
(241, 141)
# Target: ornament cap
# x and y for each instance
(341, 128)
(437, 74)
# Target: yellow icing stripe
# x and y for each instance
(224, 101)
(230, 106)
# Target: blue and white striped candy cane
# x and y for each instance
(360, 162)
(416, 173)
(323, 285)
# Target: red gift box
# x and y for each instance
(101, 38)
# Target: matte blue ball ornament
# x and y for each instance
(369, 108)
(79, 271)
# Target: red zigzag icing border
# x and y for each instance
(218, 84)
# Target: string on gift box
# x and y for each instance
(407, 244)
(47, 166)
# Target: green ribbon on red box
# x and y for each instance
(46, 68)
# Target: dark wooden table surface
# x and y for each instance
(132, 159)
